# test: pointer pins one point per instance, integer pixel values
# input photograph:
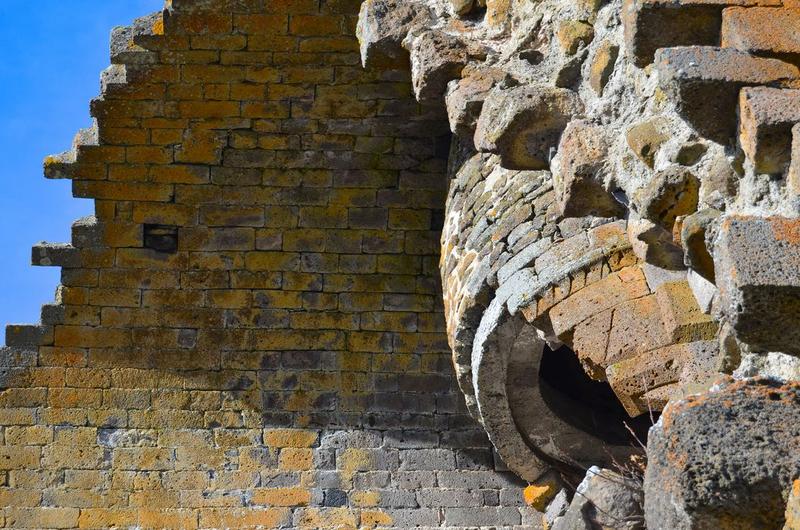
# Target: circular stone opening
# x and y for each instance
(588, 405)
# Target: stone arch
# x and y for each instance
(519, 278)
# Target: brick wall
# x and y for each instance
(249, 331)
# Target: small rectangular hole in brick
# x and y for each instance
(161, 238)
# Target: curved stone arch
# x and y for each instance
(515, 251)
(505, 304)
(508, 342)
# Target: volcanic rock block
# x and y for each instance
(612, 290)
(761, 29)
(766, 118)
(654, 244)
(55, 255)
(774, 365)
(653, 24)
(124, 46)
(578, 181)
(703, 474)
(497, 12)
(382, 26)
(436, 59)
(670, 193)
(681, 314)
(604, 499)
(465, 98)
(27, 337)
(757, 264)
(523, 124)
(461, 7)
(704, 83)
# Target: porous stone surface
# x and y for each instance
(702, 473)
(423, 292)
(753, 297)
(604, 499)
(522, 125)
(249, 330)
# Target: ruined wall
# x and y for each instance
(624, 209)
(249, 331)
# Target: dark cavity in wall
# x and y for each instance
(588, 405)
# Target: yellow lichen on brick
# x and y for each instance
(158, 27)
(327, 519)
(281, 496)
(373, 519)
(295, 459)
(289, 437)
(364, 499)
(352, 460)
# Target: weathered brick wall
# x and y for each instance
(249, 332)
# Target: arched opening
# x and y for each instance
(588, 405)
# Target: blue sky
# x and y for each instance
(52, 54)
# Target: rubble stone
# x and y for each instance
(793, 508)
(579, 179)
(694, 229)
(382, 26)
(653, 24)
(646, 138)
(436, 59)
(523, 124)
(465, 98)
(605, 499)
(602, 66)
(671, 193)
(573, 34)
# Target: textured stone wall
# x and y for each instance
(249, 330)
(623, 213)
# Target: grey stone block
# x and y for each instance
(53, 314)
(604, 499)
(757, 266)
(344, 439)
(470, 480)
(413, 480)
(411, 439)
(427, 459)
(17, 358)
(482, 516)
(444, 498)
(405, 518)
(371, 480)
(474, 459)
(397, 499)
(87, 232)
(25, 336)
(704, 82)
(55, 254)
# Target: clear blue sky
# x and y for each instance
(52, 54)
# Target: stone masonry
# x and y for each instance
(249, 330)
(423, 264)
